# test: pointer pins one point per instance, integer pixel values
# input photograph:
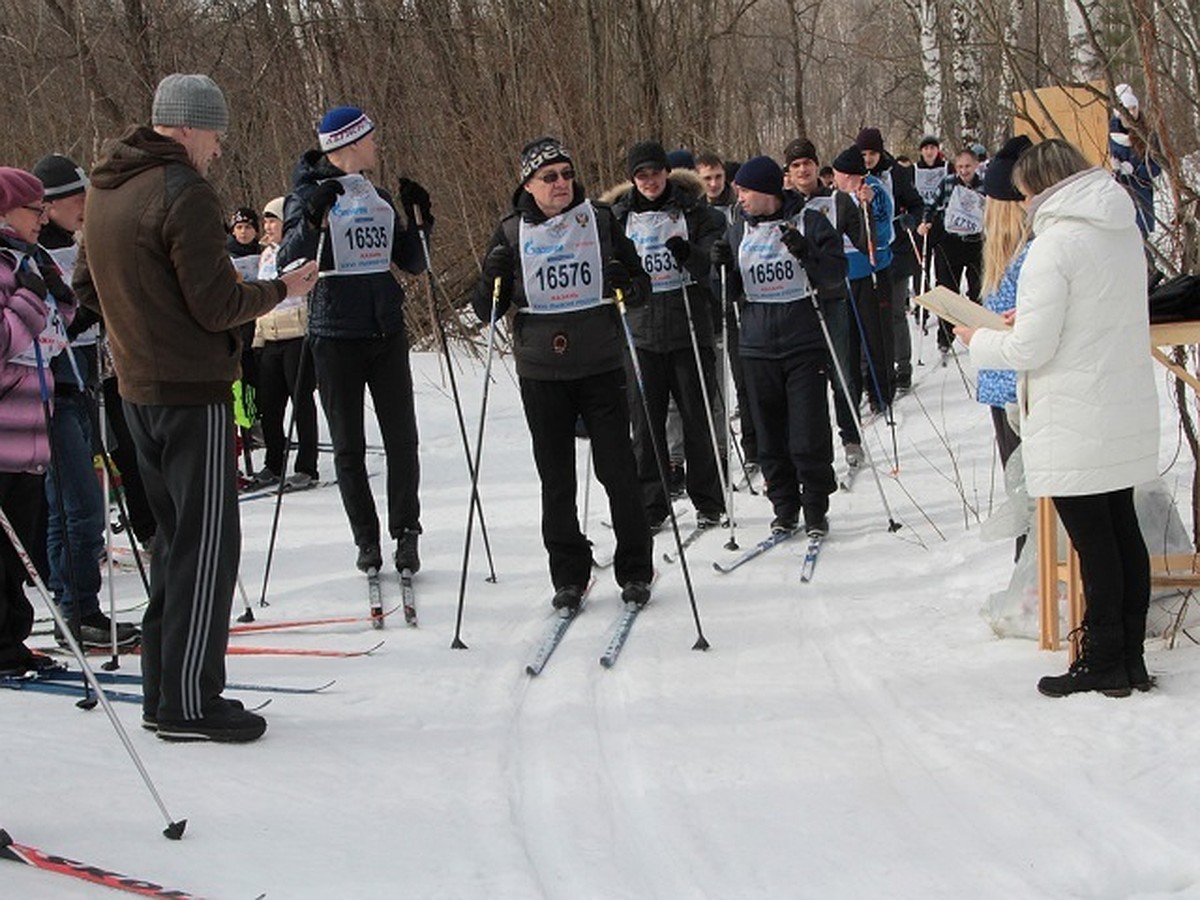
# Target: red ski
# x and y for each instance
(238, 650)
(254, 627)
(49, 862)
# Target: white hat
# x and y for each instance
(1127, 97)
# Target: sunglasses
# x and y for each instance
(551, 177)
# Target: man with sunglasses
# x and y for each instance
(561, 259)
(673, 228)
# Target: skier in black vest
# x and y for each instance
(560, 259)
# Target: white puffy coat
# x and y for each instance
(1081, 345)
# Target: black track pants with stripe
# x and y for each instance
(186, 455)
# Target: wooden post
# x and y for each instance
(1047, 563)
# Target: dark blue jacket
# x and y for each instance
(346, 306)
(780, 330)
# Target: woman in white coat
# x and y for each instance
(1088, 406)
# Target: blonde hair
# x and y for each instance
(1046, 164)
(1005, 232)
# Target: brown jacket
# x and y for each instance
(153, 263)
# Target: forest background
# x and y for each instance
(457, 86)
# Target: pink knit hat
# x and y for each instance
(17, 188)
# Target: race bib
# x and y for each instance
(560, 262)
(361, 228)
(650, 232)
(247, 266)
(268, 270)
(964, 211)
(53, 339)
(928, 181)
(770, 274)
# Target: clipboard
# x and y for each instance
(960, 310)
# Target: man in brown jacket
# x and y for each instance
(154, 264)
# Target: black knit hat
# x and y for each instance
(646, 153)
(930, 140)
(61, 176)
(850, 161)
(762, 174)
(997, 180)
(800, 148)
(541, 152)
(244, 214)
(870, 139)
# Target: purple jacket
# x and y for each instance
(24, 446)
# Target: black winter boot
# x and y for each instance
(1099, 667)
(1135, 653)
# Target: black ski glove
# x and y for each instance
(318, 202)
(617, 277)
(412, 197)
(796, 242)
(498, 263)
(680, 249)
(32, 282)
(721, 254)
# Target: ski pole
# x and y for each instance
(457, 643)
(106, 487)
(587, 484)
(866, 348)
(923, 261)
(893, 525)
(737, 325)
(458, 410)
(708, 415)
(701, 642)
(248, 615)
(732, 543)
(175, 827)
(59, 502)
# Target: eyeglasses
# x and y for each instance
(41, 209)
(551, 177)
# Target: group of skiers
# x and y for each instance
(625, 310)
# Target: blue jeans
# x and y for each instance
(83, 503)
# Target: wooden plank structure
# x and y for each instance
(1178, 570)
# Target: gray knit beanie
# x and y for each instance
(193, 101)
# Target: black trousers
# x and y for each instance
(551, 408)
(280, 379)
(124, 454)
(749, 439)
(953, 256)
(23, 499)
(666, 376)
(346, 368)
(789, 400)
(1113, 559)
(871, 340)
(189, 470)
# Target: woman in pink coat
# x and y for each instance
(26, 317)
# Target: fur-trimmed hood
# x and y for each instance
(685, 181)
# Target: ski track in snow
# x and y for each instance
(863, 735)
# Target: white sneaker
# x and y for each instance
(298, 481)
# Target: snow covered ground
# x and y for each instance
(862, 736)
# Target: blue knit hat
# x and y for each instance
(680, 159)
(762, 174)
(342, 126)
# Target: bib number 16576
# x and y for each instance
(563, 275)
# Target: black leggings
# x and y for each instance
(1112, 555)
